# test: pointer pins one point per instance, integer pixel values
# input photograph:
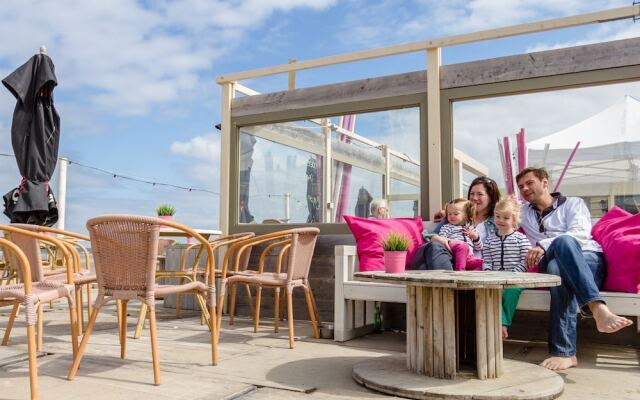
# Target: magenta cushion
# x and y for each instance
(370, 232)
(618, 232)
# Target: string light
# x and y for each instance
(130, 178)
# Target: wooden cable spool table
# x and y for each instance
(454, 333)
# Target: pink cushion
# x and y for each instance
(370, 232)
(618, 232)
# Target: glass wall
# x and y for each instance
(587, 138)
(281, 167)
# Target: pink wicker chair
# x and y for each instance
(82, 277)
(32, 294)
(125, 249)
(295, 244)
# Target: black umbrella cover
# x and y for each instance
(363, 203)
(35, 136)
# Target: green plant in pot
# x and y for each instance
(395, 246)
(165, 211)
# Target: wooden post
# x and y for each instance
(292, 76)
(433, 129)
(428, 331)
(411, 328)
(490, 332)
(420, 317)
(228, 92)
(438, 334)
(326, 172)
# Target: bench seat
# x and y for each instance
(354, 306)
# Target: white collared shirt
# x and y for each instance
(569, 218)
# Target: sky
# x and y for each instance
(136, 79)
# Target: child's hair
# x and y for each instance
(509, 204)
(468, 208)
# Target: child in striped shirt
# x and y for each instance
(457, 237)
(506, 250)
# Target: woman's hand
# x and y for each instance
(437, 217)
(471, 234)
(534, 256)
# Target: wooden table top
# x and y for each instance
(462, 279)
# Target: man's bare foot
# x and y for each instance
(606, 321)
(559, 363)
(505, 333)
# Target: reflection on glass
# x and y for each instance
(281, 166)
(278, 183)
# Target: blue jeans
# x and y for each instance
(582, 274)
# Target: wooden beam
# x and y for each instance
(593, 57)
(540, 26)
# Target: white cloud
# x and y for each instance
(205, 149)
(133, 55)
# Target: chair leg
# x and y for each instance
(276, 310)
(40, 327)
(256, 311)
(312, 313)
(118, 315)
(232, 303)
(12, 318)
(290, 315)
(123, 329)
(83, 344)
(75, 328)
(247, 289)
(33, 365)
(283, 303)
(215, 332)
(220, 303)
(154, 346)
(179, 300)
(141, 319)
(89, 307)
(79, 308)
(315, 306)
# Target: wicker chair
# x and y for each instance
(297, 245)
(23, 236)
(82, 275)
(32, 294)
(125, 250)
(194, 272)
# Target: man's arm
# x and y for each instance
(578, 221)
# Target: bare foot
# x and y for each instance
(559, 363)
(505, 333)
(606, 321)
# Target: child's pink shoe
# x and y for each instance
(474, 264)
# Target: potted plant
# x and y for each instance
(165, 211)
(395, 246)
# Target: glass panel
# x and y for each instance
(588, 139)
(281, 164)
(278, 183)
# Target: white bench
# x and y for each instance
(354, 307)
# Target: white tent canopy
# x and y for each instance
(609, 150)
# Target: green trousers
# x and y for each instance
(510, 299)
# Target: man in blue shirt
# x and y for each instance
(559, 229)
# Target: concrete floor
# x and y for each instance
(253, 366)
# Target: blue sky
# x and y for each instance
(137, 94)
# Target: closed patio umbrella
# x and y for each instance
(35, 136)
(313, 204)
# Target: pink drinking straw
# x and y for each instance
(522, 150)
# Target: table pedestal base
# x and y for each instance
(520, 380)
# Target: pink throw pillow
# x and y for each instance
(618, 232)
(370, 232)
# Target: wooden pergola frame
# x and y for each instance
(577, 66)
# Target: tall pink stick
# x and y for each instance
(508, 167)
(566, 166)
(522, 150)
(345, 187)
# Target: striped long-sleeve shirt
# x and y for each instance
(505, 253)
(455, 232)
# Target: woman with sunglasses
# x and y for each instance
(484, 194)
